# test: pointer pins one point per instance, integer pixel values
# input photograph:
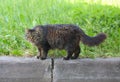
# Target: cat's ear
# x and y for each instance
(26, 30)
(29, 30)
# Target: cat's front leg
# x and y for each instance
(39, 53)
(44, 54)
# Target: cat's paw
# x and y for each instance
(73, 57)
(43, 58)
(37, 57)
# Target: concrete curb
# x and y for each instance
(18, 69)
(13, 69)
(87, 70)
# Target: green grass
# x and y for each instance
(93, 17)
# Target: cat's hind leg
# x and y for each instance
(76, 52)
(69, 53)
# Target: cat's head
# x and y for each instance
(29, 34)
(32, 34)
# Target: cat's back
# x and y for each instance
(57, 27)
(61, 26)
(61, 29)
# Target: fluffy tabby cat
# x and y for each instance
(61, 36)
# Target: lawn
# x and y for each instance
(93, 16)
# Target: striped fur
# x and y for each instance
(61, 36)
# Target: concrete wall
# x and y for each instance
(13, 69)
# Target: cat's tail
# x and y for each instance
(93, 41)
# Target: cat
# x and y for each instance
(61, 36)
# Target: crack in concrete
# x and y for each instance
(52, 67)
